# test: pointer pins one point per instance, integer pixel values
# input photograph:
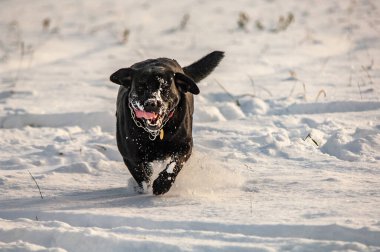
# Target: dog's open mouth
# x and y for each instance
(152, 120)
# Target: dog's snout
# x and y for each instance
(152, 105)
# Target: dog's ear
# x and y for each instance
(185, 84)
(203, 67)
(122, 77)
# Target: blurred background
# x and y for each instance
(297, 50)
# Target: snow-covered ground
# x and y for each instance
(286, 130)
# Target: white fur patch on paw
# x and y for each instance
(170, 168)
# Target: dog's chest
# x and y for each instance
(175, 138)
(154, 150)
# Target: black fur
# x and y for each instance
(203, 67)
(160, 86)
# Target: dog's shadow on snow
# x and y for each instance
(103, 198)
(112, 198)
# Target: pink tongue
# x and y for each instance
(145, 115)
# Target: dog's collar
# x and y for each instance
(152, 133)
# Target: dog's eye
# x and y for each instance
(140, 87)
(169, 82)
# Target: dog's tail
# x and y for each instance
(203, 67)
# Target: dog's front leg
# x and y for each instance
(167, 177)
(141, 172)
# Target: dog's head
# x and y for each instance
(154, 89)
(155, 86)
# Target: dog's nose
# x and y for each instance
(152, 105)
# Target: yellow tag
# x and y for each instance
(162, 134)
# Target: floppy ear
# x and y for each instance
(203, 67)
(122, 77)
(185, 83)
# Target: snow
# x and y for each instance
(286, 130)
(170, 167)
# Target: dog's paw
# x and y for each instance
(163, 183)
(142, 187)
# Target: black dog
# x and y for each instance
(155, 115)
